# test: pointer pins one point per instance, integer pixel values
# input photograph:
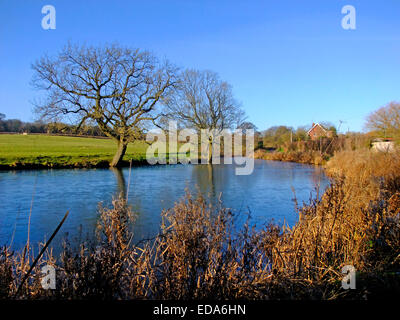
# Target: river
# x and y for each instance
(267, 194)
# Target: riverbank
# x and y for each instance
(19, 152)
(67, 163)
(306, 157)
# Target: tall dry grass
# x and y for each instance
(316, 152)
(308, 157)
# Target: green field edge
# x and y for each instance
(67, 162)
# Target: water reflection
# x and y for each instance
(204, 177)
(267, 193)
(121, 184)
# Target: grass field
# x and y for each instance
(56, 151)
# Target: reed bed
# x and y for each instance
(308, 157)
(316, 152)
(199, 254)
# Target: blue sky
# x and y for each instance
(289, 62)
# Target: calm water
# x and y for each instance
(266, 193)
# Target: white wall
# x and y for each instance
(383, 146)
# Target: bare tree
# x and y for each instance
(203, 101)
(116, 87)
(248, 126)
(385, 120)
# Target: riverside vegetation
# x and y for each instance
(199, 255)
(313, 152)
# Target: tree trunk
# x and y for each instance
(116, 161)
(120, 181)
(210, 150)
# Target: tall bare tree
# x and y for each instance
(116, 87)
(203, 101)
(385, 120)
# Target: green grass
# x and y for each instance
(57, 151)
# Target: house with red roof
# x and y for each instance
(318, 131)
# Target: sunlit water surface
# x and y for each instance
(267, 194)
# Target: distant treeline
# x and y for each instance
(18, 126)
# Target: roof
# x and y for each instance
(382, 140)
(316, 124)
